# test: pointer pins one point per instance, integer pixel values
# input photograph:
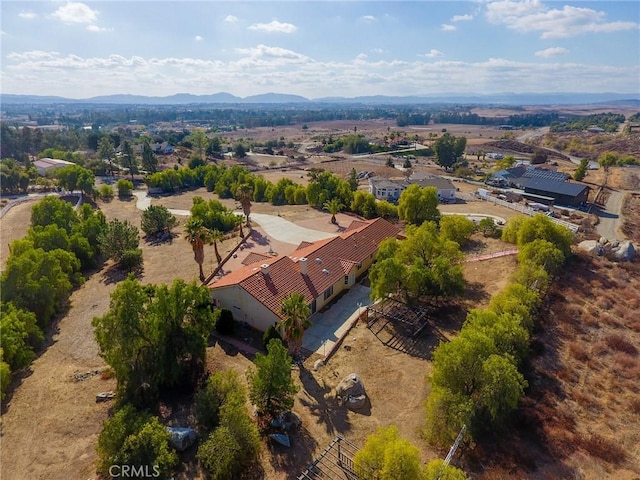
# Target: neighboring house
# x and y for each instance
(158, 148)
(318, 270)
(564, 193)
(45, 165)
(391, 190)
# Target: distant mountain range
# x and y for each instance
(280, 98)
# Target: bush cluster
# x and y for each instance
(476, 379)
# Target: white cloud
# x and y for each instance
(27, 15)
(95, 28)
(551, 52)
(274, 27)
(433, 53)
(267, 68)
(461, 18)
(198, 38)
(377, 50)
(76, 12)
(448, 28)
(368, 18)
(231, 19)
(534, 16)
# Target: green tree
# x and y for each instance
(157, 220)
(197, 235)
(219, 455)
(502, 386)
(52, 210)
(154, 336)
(200, 142)
(516, 299)
(106, 151)
(386, 210)
(20, 335)
(38, 281)
(608, 159)
(218, 390)
(542, 253)
(128, 158)
(135, 438)
(457, 228)
(437, 470)
(239, 151)
(296, 312)
(506, 331)
(364, 203)
(244, 194)
(448, 150)
(333, 206)
(125, 187)
(352, 179)
(581, 171)
(488, 227)
(5, 376)
(387, 456)
(506, 162)
(74, 177)
(149, 158)
(117, 238)
(418, 205)
(271, 388)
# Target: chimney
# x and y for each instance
(265, 268)
(303, 265)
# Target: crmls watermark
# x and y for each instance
(134, 471)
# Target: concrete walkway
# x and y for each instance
(477, 217)
(144, 201)
(331, 326)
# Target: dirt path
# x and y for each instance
(52, 422)
(611, 218)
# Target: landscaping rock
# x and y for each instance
(591, 246)
(351, 392)
(318, 364)
(625, 252)
(286, 421)
(603, 240)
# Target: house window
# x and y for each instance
(328, 292)
(346, 279)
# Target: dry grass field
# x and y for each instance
(579, 419)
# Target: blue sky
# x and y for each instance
(318, 49)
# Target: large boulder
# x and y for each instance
(351, 392)
(591, 246)
(624, 252)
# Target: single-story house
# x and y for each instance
(45, 165)
(319, 271)
(564, 193)
(384, 189)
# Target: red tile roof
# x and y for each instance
(254, 257)
(327, 262)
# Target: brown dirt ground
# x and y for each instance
(51, 423)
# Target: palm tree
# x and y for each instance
(296, 311)
(244, 194)
(215, 236)
(197, 235)
(333, 206)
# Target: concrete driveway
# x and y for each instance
(333, 324)
(286, 231)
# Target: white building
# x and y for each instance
(391, 190)
(45, 165)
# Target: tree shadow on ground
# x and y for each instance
(256, 238)
(161, 239)
(317, 399)
(291, 462)
(114, 274)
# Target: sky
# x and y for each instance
(319, 48)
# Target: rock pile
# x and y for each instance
(351, 393)
(621, 251)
